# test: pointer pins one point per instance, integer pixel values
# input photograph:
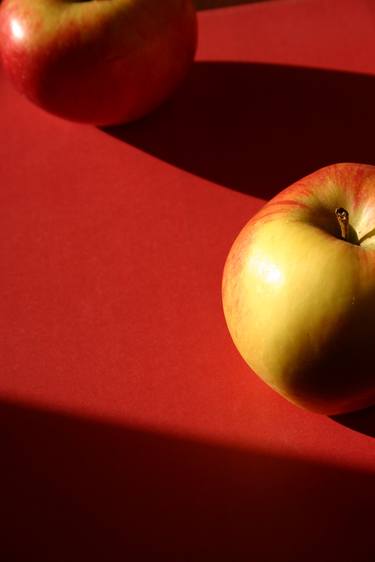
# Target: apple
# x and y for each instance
(97, 61)
(298, 290)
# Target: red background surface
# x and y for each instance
(130, 427)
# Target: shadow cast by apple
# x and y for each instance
(362, 421)
(73, 489)
(257, 128)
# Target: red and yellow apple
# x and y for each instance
(299, 290)
(97, 61)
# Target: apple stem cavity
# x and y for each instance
(342, 216)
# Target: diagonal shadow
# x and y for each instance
(86, 490)
(362, 421)
(256, 128)
(210, 4)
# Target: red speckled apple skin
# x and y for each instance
(97, 62)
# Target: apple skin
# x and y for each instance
(299, 301)
(97, 61)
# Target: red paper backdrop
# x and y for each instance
(130, 427)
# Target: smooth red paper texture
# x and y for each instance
(130, 427)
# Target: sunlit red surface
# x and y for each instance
(130, 426)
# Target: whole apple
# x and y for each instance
(97, 61)
(299, 290)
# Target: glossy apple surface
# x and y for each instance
(97, 61)
(299, 300)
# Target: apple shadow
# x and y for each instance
(75, 489)
(257, 128)
(362, 421)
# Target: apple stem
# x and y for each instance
(342, 216)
